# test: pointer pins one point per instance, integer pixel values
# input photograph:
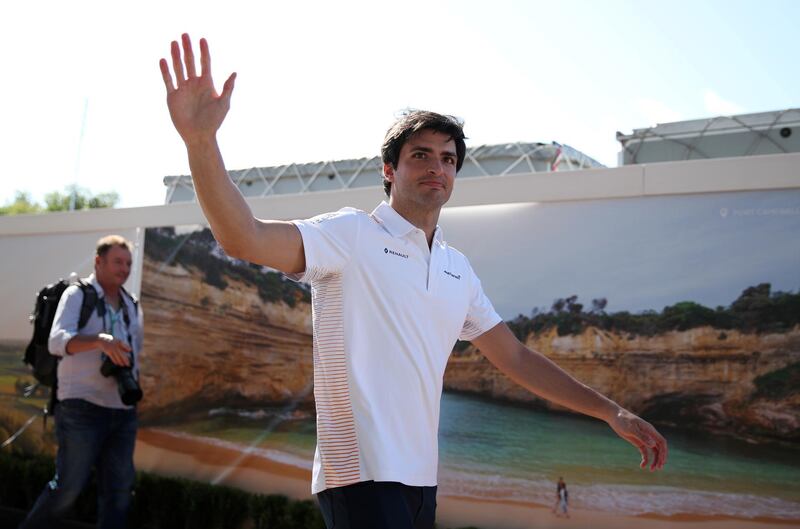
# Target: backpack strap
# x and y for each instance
(89, 303)
(124, 307)
(125, 317)
(133, 298)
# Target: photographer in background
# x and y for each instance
(97, 391)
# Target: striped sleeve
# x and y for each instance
(481, 316)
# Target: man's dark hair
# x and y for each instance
(412, 122)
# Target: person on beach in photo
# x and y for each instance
(562, 497)
(390, 298)
(94, 426)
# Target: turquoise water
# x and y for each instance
(521, 453)
(490, 450)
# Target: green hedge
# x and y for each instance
(163, 503)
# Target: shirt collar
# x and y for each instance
(397, 225)
(92, 279)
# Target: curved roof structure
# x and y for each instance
(720, 137)
(484, 160)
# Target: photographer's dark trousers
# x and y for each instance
(378, 505)
(89, 436)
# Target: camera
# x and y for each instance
(129, 390)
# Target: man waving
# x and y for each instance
(390, 298)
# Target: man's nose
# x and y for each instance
(436, 167)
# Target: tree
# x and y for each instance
(57, 201)
(21, 204)
(83, 199)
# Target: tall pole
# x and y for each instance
(73, 197)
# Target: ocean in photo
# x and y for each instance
(492, 450)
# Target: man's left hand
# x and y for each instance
(643, 436)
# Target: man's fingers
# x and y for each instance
(125, 347)
(657, 444)
(645, 456)
(654, 441)
(124, 357)
(662, 452)
(188, 56)
(645, 438)
(177, 66)
(658, 455)
(205, 59)
(227, 88)
(637, 442)
(119, 358)
(166, 75)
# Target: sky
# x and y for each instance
(83, 99)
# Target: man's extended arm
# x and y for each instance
(197, 113)
(541, 376)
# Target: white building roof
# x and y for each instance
(719, 137)
(484, 160)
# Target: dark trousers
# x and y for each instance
(89, 435)
(378, 505)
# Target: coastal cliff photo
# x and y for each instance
(683, 314)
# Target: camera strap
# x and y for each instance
(125, 318)
(103, 309)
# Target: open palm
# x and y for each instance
(197, 111)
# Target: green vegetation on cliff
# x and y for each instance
(757, 310)
(199, 250)
(779, 384)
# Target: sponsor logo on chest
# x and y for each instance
(389, 251)
(451, 274)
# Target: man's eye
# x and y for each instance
(450, 160)
(419, 155)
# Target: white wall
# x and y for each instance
(38, 249)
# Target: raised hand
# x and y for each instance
(643, 436)
(197, 111)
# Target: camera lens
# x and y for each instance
(129, 391)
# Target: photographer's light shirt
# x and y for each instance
(79, 374)
(386, 310)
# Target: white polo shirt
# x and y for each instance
(386, 312)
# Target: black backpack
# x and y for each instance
(37, 355)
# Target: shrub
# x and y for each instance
(162, 502)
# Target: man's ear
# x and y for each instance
(388, 172)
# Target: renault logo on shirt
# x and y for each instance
(398, 254)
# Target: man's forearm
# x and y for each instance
(82, 343)
(545, 378)
(541, 376)
(223, 205)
